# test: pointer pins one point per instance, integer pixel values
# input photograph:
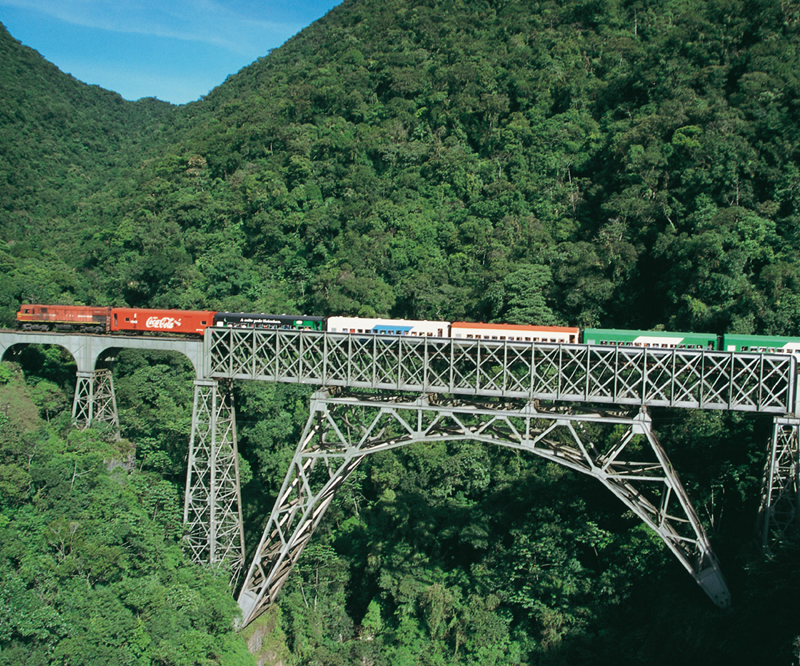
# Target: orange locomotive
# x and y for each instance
(63, 318)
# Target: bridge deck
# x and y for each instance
(86, 348)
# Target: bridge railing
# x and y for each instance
(640, 376)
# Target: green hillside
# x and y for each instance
(424, 159)
(620, 164)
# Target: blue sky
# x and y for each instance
(175, 50)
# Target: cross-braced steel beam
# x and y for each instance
(94, 400)
(342, 430)
(212, 513)
(780, 501)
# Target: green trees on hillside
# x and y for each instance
(624, 164)
(90, 559)
(627, 149)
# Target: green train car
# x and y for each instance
(665, 339)
(760, 343)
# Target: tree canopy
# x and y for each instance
(619, 163)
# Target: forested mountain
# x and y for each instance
(627, 164)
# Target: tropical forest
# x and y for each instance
(628, 164)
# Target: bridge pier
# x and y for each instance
(780, 498)
(212, 514)
(95, 400)
(341, 431)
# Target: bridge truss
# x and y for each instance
(627, 376)
(342, 430)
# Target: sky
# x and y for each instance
(175, 50)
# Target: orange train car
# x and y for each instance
(514, 332)
(139, 320)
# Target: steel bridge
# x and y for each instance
(381, 392)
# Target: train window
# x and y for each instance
(469, 336)
(203, 323)
(527, 339)
(127, 318)
(43, 310)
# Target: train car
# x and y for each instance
(665, 339)
(139, 320)
(412, 327)
(760, 343)
(34, 317)
(273, 321)
(514, 332)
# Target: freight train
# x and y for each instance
(194, 322)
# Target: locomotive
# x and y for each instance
(83, 319)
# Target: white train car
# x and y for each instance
(439, 329)
(514, 332)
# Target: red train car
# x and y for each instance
(160, 321)
(35, 317)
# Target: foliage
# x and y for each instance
(91, 565)
(625, 164)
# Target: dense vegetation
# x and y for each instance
(628, 164)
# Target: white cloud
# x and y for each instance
(202, 21)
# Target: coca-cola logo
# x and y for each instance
(162, 322)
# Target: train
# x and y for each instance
(84, 319)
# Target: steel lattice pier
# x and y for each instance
(94, 400)
(212, 514)
(780, 501)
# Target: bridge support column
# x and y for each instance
(780, 499)
(342, 430)
(95, 400)
(212, 513)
